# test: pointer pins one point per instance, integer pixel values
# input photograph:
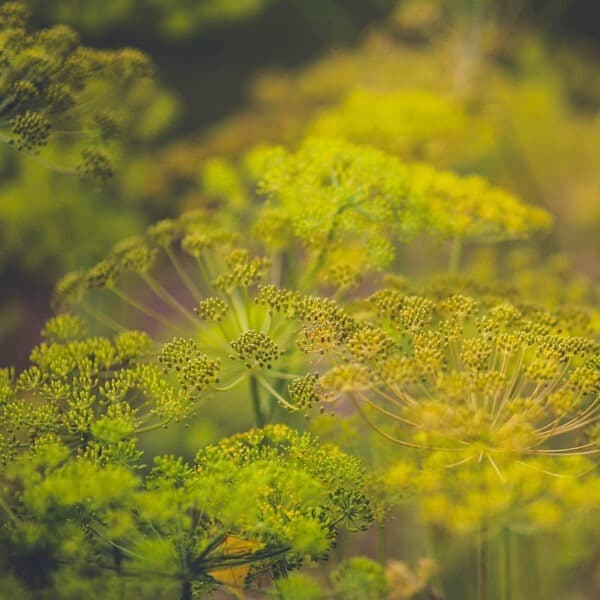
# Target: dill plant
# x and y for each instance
(47, 76)
(239, 308)
(496, 407)
(488, 399)
(295, 303)
(82, 514)
(72, 119)
(510, 96)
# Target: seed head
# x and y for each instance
(212, 309)
(243, 271)
(303, 391)
(95, 166)
(70, 289)
(13, 14)
(30, 130)
(277, 299)
(256, 349)
(163, 233)
(103, 274)
(194, 370)
(134, 254)
(64, 328)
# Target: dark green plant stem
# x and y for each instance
(507, 595)
(482, 563)
(8, 510)
(434, 550)
(259, 417)
(186, 590)
(538, 581)
(382, 543)
(455, 256)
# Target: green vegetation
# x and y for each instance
(330, 348)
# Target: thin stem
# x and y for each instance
(186, 590)
(389, 437)
(101, 318)
(9, 511)
(153, 427)
(276, 394)
(166, 297)
(256, 407)
(382, 544)
(187, 280)
(231, 385)
(284, 375)
(239, 309)
(384, 411)
(455, 256)
(507, 595)
(482, 563)
(141, 307)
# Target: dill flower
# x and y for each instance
(255, 505)
(350, 205)
(229, 302)
(480, 382)
(409, 123)
(538, 494)
(218, 329)
(97, 394)
(331, 193)
(48, 76)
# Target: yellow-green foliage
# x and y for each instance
(337, 197)
(361, 202)
(48, 76)
(77, 114)
(413, 124)
(77, 388)
(354, 578)
(300, 284)
(478, 381)
(468, 97)
(539, 494)
(495, 401)
(72, 489)
(220, 331)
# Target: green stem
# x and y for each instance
(139, 306)
(186, 590)
(166, 297)
(507, 564)
(9, 511)
(153, 427)
(187, 280)
(276, 396)
(455, 256)
(320, 261)
(482, 563)
(231, 385)
(382, 543)
(310, 274)
(434, 550)
(101, 318)
(255, 396)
